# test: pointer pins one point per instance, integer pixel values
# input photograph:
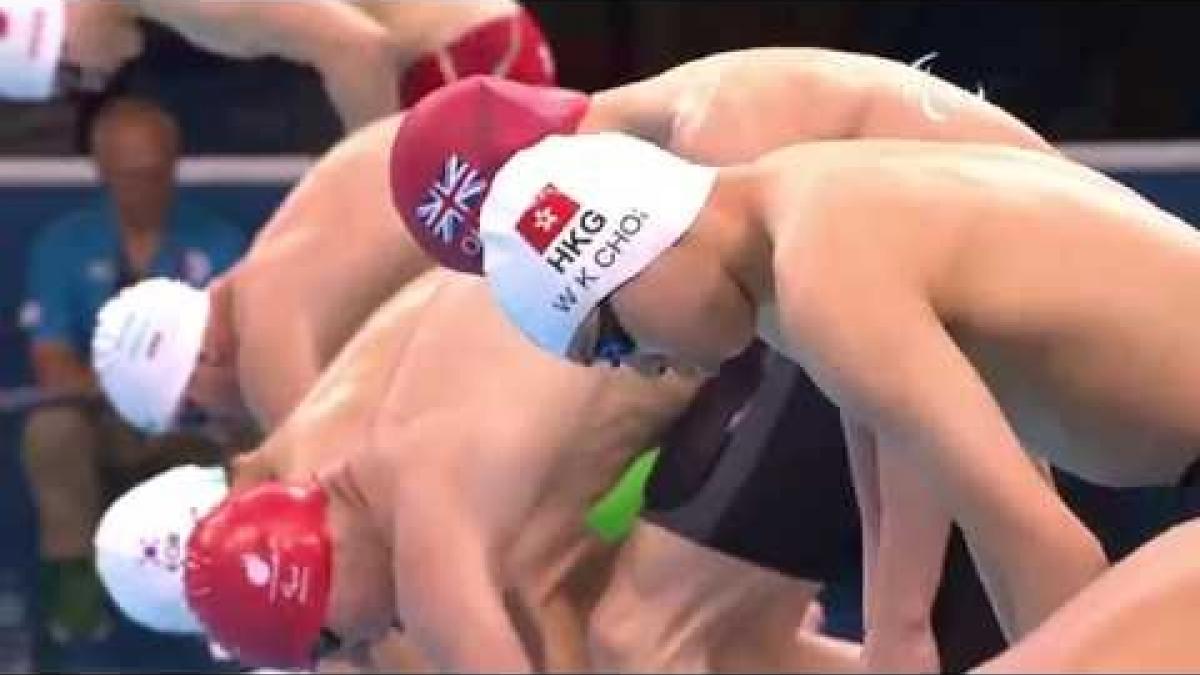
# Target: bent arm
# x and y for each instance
(914, 530)
(1139, 616)
(278, 360)
(864, 473)
(447, 591)
(899, 371)
(904, 541)
(353, 53)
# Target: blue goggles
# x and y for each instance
(602, 338)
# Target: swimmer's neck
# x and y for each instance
(732, 224)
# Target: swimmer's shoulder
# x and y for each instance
(428, 286)
(369, 140)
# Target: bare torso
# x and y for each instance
(538, 440)
(333, 418)
(420, 26)
(1072, 296)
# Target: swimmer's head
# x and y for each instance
(258, 573)
(161, 351)
(585, 247)
(449, 147)
(281, 574)
(141, 542)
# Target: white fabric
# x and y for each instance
(145, 348)
(629, 200)
(141, 545)
(32, 33)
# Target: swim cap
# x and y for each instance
(145, 348)
(141, 541)
(32, 33)
(258, 574)
(573, 217)
(450, 145)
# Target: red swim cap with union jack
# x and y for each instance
(451, 144)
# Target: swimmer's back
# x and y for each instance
(977, 187)
(734, 106)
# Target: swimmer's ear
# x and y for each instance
(247, 469)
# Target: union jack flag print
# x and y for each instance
(451, 199)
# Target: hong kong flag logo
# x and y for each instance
(549, 214)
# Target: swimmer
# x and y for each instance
(372, 60)
(725, 108)
(247, 348)
(954, 300)
(253, 342)
(437, 486)
(281, 315)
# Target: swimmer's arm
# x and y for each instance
(354, 54)
(904, 540)
(278, 360)
(447, 591)
(896, 368)
(912, 536)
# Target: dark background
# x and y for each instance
(1074, 70)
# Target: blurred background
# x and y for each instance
(1116, 80)
(1073, 70)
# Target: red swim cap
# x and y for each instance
(451, 144)
(258, 574)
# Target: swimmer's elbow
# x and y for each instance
(1068, 558)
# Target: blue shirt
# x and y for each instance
(77, 263)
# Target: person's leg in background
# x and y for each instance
(61, 449)
(78, 459)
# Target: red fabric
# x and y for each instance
(511, 47)
(548, 215)
(258, 574)
(453, 142)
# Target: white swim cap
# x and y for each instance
(141, 545)
(571, 218)
(145, 348)
(32, 33)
